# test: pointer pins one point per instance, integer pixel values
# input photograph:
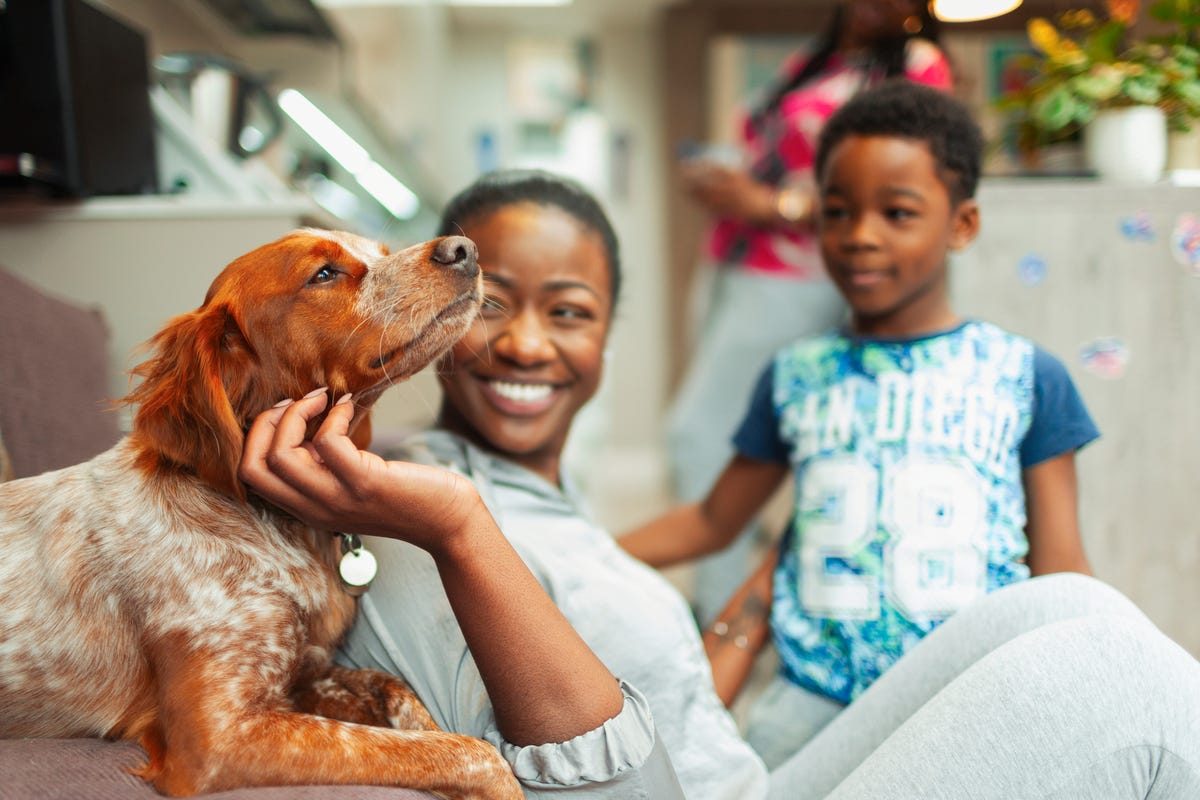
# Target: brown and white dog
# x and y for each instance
(144, 596)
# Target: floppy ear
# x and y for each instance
(184, 414)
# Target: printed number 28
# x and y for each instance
(933, 561)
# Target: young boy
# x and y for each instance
(933, 457)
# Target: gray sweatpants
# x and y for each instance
(1057, 687)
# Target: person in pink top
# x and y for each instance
(767, 286)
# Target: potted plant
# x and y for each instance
(1180, 57)
(1089, 78)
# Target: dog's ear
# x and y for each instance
(185, 415)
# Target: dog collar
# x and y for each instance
(357, 567)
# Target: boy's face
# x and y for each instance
(886, 224)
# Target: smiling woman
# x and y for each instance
(534, 357)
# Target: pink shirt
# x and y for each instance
(793, 130)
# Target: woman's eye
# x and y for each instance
(571, 312)
(493, 307)
(324, 275)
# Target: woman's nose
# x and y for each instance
(525, 339)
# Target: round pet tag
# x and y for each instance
(357, 567)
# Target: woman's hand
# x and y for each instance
(329, 483)
(544, 682)
(728, 192)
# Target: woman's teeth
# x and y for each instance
(522, 392)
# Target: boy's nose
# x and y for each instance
(525, 339)
(860, 233)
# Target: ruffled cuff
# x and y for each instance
(620, 744)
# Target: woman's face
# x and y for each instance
(534, 356)
(869, 21)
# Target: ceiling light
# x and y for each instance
(354, 158)
(971, 10)
(475, 3)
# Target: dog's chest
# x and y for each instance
(107, 576)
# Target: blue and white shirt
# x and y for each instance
(907, 458)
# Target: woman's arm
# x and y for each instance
(544, 682)
(697, 529)
(1052, 517)
(735, 639)
(727, 192)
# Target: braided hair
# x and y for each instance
(888, 54)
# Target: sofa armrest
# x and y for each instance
(94, 769)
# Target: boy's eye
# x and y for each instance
(900, 214)
(324, 275)
(833, 212)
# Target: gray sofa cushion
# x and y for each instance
(93, 769)
(54, 394)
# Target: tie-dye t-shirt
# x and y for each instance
(781, 151)
(907, 459)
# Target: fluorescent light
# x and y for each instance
(394, 195)
(507, 3)
(353, 157)
(477, 3)
(971, 10)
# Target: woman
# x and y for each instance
(516, 619)
(768, 286)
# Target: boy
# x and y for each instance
(933, 457)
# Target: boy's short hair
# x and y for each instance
(901, 108)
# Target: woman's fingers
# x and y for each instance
(279, 464)
(332, 441)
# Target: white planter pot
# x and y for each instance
(1127, 145)
(1183, 149)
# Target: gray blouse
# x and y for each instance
(631, 617)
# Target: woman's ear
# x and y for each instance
(965, 224)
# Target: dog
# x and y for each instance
(145, 596)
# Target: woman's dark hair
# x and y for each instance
(907, 110)
(888, 54)
(493, 191)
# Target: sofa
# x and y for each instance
(56, 410)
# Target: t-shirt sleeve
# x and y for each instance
(1061, 422)
(927, 64)
(758, 435)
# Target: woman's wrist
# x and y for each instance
(793, 206)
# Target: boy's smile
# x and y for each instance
(887, 224)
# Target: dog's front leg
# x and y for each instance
(226, 724)
(365, 696)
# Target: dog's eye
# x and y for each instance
(324, 275)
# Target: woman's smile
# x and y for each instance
(534, 356)
(520, 398)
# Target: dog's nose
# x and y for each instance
(456, 252)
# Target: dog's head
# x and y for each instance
(315, 308)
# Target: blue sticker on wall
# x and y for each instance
(1106, 357)
(1185, 242)
(1032, 269)
(1138, 227)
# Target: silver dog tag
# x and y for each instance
(357, 567)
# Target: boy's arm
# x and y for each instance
(1052, 517)
(734, 640)
(697, 529)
